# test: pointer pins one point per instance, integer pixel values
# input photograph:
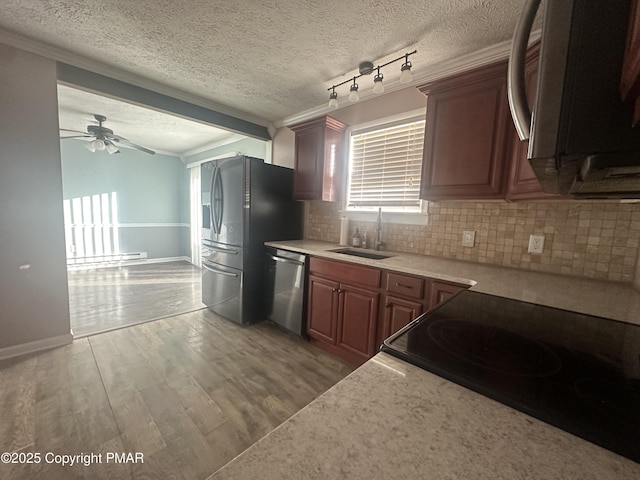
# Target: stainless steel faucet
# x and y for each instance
(379, 244)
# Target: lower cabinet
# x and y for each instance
(357, 318)
(398, 312)
(442, 291)
(351, 308)
(322, 308)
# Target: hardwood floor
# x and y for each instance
(106, 298)
(190, 392)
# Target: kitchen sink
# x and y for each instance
(362, 253)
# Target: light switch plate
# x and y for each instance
(536, 244)
(468, 238)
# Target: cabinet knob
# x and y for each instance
(387, 305)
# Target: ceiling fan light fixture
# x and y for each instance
(99, 144)
(89, 146)
(111, 148)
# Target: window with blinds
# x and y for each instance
(385, 167)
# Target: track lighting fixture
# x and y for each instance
(353, 92)
(333, 99)
(366, 68)
(378, 87)
(406, 76)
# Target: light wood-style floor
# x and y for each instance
(106, 298)
(190, 392)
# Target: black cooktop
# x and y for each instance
(577, 372)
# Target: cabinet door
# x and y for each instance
(319, 159)
(322, 309)
(398, 313)
(442, 291)
(466, 136)
(309, 161)
(523, 184)
(357, 321)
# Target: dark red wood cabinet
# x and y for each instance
(319, 159)
(630, 78)
(471, 148)
(466, 141)
(352, 308)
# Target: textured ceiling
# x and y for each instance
(265, 59)
(148, 128)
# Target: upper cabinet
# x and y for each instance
(319, 159)
(630, 80)
(471, 149)
(466, 142)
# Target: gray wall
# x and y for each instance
(34, 301)
(152, 195)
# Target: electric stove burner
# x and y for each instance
(615, 400)
(494, 348)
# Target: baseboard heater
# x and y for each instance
(106, 259)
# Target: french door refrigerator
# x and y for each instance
(245, 202)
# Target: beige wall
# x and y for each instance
(386, 105)
(34, 301)
(594, 239)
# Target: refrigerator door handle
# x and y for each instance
(220, 272)
(285, 260)
(230, 251)
(217, 200)
(212, 208)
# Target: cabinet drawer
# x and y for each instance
(405, 285)
(345, 272)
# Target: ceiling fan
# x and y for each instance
(104, 138)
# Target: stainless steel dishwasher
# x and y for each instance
(284, 288)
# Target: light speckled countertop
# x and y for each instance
(619, 301)
(389, 419)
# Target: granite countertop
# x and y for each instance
(390, 419)
(619, 301)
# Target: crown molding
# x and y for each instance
(428, 74)
(233, 137)
(60, 55)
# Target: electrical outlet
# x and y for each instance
(468, 238)
(536, 244)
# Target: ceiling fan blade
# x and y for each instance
(124, 141)
(72, 131)
(77, 136)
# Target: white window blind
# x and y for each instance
(385, 166)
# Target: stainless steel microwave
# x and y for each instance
(581, 139)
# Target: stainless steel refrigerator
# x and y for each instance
(245, 202)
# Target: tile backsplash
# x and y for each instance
(596, 239)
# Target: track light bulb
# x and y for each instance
(406, 76)
(378, 87)
(353, 92)
(333, 100)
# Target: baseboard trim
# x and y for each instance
(126, 263)
(35, 346)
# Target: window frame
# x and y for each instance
(391, 214)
